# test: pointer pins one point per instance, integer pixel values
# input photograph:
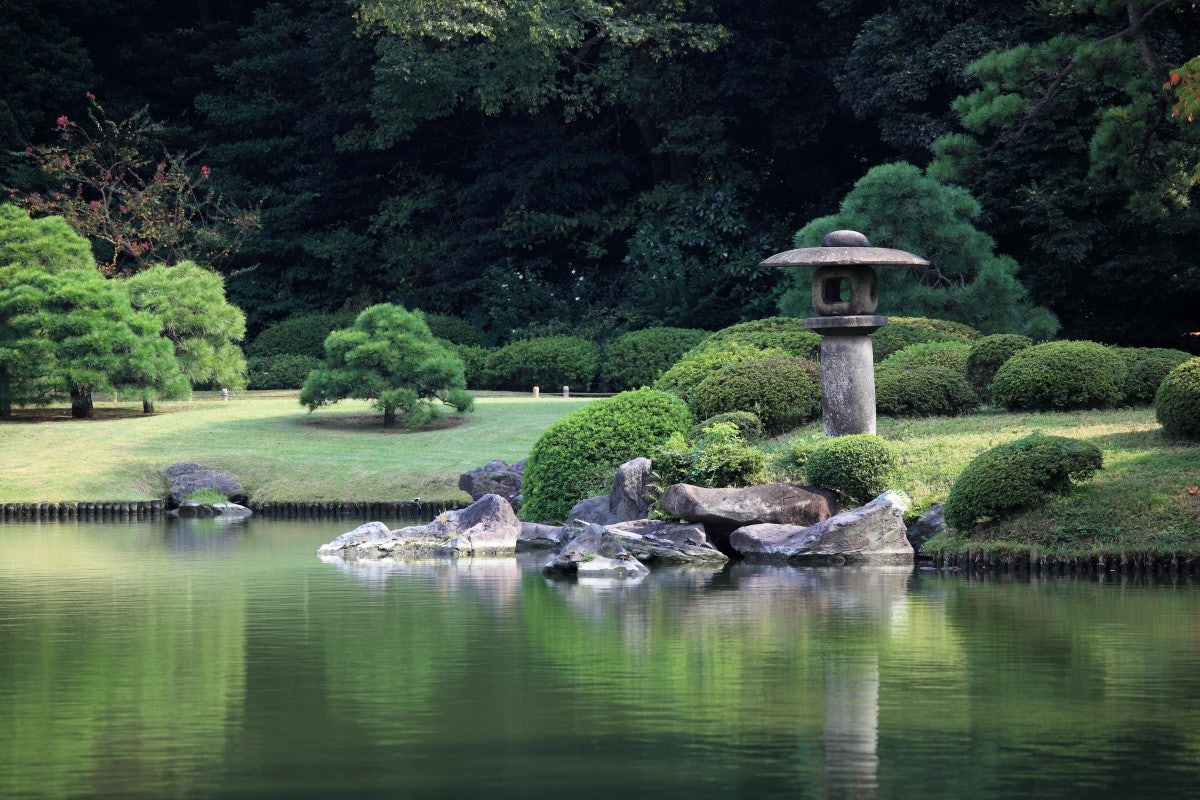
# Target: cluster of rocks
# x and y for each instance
(186, 478)
(611, 536)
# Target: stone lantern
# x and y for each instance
(845, 292)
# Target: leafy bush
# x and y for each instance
(1147, 366)
(301, 335)
(455, 330)
(717, 457)
(774, 333)
(1059, 376)
(748, 425)
(784, 392)
(1177, 402)
(698, 363)
(989, 354)
(856, 467)
(951, 355)
(475, 364)
(901, 332)
(1018, 475)
(922, 391)
(287, 371)
(577, 455)
(550, 363)
(639, 357)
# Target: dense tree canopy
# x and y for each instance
(611, 165)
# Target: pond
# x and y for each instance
(190, 660)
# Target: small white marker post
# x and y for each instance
(566, 391)
(536, 392)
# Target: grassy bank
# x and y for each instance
(278, 450)
(1139, 502)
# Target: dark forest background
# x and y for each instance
(592, 165)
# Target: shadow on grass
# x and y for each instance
(63, 414)
(371, 422)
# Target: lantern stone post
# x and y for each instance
(845, 293)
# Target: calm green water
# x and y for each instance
(146, 660)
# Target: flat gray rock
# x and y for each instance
(486, 527)
(596, 553)
(874, 533)
(655, 542)
(543, 537)
(784, 503)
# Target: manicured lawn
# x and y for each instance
(277, 449)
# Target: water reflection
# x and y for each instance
(252, 668)
(191, 534)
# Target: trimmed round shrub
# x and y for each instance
(1147, 366)
(287, 371)
(950, 355)
(639, 357)
(785, 393)
(1177, 403)
(300, 334)
(576, 457)
(773, 333)
(748, 425)
(1058, 376)
(900, 332)
(455, 330)
(1018, 475)
(989, 354)
(922, 391)
(550, 363)
(698, 363)
(856, 467)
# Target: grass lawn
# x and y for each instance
(277, 449)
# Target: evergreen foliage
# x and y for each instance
(989, 354)
(698, 363)
(202, 325)
(638, 358)
(284, 371)
(72, 334)
(857, 467)
(1060, 376)
(717, 456)
(301, 335)
(783, 392)
(1177, 402)
(1018, 475)
(898, 206)
(388, 356)
(773, 333)
(1147, 366)
(48, 244)
(922, 390)
(549, 363)
(576, 457)
(900, 332)
(950, 355)
(748, 425)
(455, 330)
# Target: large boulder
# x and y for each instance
(931, 523)
(722, 510)
(874, 533)
(630, 498)
(543, 537)
(486, 527)
(657, 542)
(186, 477)
(596, 553)
(495, 477)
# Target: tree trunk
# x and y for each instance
(147, 406)
(81, 403)
(5, 409)
(389, 418)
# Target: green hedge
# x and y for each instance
(717, 457)
(1177, 403)
(922, 391)
(638, 358)
(286, 371)
(857, 467)
(300, 334)
(989, 354)
(455, 330)
(773, 333)
(900, 332)
(748, 425)
(785, 393)
(549, 363)
(1058, 376)
(950, 355)
(1147, 366)
(576, 457)
(698, 363)
(1018, 475)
